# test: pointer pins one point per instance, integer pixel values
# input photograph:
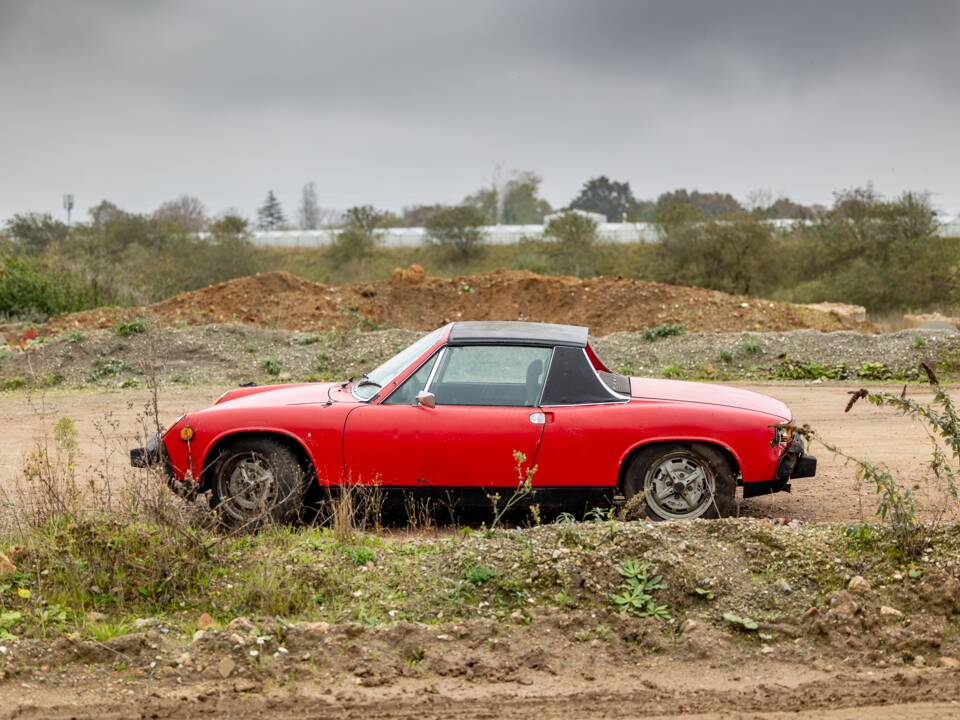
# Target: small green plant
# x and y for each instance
(636, 591)
(103, 369)
(663, 330)
(361, 555)
(672, 370)
(874, 371)
(76, 336)
(796, 370)
(627, 369)
(742, 622)
(271, 367)
(14, 383)
(8, 620)
(919, 342)
(309, 340)
(137, 326)
(726, 356)
(180, 379)
(705, 593)
(479, 575)
(523, 489)
(751, 346)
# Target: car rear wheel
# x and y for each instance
(257, 480)
(680, 482)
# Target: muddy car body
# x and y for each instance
(450, 413)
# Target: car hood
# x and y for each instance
(274, 395)
(705, 394)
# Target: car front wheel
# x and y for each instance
(680, 482)
(257, 480)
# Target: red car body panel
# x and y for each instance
(347, 440)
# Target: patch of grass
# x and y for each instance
(797, 370)
(663, 330)
(726, 356)
(272, 367)
(137, 326)
(479, 575)
(751, 346)
(103, 369)
(874, 371)
(14, 383)
(671, 371)
(919, 342)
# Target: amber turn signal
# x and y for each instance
(186, 434)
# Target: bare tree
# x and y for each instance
(187, 212)
(309, 209)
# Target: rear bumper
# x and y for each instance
(152, 455)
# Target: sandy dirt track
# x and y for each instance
(768, 691)
(109, 421)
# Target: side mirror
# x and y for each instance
(426, 399)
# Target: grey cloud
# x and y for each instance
(395, 102)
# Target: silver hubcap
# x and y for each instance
(250, 486)
(679, 487)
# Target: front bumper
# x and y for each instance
(795, 463)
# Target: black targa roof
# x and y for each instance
(524, 333)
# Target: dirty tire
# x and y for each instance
(257, 481)
(680, 481)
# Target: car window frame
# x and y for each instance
(444, 348)
(617, 397)
(438, 354)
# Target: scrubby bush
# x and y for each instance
(883, 254)
(736, 254)
(29, 288)
(575, 238)
(359, 236)
(458, 230)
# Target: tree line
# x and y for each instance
(884, 253)
(517, 200)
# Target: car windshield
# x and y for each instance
(370, 384)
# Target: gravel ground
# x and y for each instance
(764, 355)
(240, 353)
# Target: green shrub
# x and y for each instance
(574, 239)
(134, 327)
(457, 230)
(661, 331)
(28, 287)
(271, 367)
(672, 371)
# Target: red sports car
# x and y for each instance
(450, 412)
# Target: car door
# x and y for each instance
(588, 424)
(485, 412)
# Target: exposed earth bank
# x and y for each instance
(414, 301)
(758, 619)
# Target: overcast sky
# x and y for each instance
(412, 101)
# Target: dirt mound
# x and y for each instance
(412, 300)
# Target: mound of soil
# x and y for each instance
(412, 300)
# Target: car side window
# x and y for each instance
(406, 394)
(573, 381)
(491, 375)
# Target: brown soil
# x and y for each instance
(474, 669)
(414, 301)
